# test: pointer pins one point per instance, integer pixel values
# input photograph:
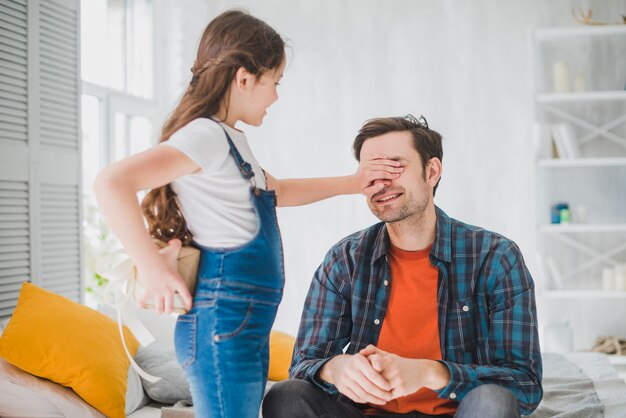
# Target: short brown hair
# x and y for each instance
(426, 141)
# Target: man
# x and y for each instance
(420, 314)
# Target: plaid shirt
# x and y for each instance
(486, 309)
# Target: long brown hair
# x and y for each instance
(232, 40)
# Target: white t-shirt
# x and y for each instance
(215, 200)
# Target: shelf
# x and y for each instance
(581, 96)
(581, 162)
(583, 294)
(582, 228)
(582, 30)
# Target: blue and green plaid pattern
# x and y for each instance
(487, 313)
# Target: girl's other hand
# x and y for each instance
(160, 281)
(370, 172)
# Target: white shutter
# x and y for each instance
(59, 163)
(15, 265)
(60, 233)
(13, 74)
(58, 75)
(40, 211)
(14, 243)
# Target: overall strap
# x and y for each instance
(244, 167)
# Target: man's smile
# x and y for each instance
(387, 197)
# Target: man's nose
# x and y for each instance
(384, 182)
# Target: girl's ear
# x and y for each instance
(243, 79)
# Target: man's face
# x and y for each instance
(410, 193)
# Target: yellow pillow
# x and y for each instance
(55, 338)
(281, 350)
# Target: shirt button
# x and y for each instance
(377, 321)
(465, 308)
(453, 395)
(386, 282)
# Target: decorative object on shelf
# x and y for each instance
(610, 344)
(555, 216)
(560, 213)
(586, 18)
(560, 72)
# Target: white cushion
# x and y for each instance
(24, 395)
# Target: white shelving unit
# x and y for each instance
(582, 228)
(589, 96)
(582, 162)
(583, 96)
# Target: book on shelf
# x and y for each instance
(565, 141)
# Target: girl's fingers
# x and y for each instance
(371, 190)
(379, 175)
(158, 304)
(383, 161)
(386, 167)
(185, 295)
(168, 303)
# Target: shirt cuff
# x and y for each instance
(313, 376)
(462, 380)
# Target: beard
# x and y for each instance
(412, 207)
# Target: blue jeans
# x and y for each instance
(223, 346)
(302, 399)
(223, 342)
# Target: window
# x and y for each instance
(117, 45)
(118, 107)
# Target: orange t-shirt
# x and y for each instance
(411, 326)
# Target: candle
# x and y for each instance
(561, 77)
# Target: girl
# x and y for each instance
(206, 185)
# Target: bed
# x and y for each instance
(576, 385)
(581, 384)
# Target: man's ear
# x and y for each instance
(243, 80)
(433, 171)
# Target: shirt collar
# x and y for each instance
(441, 247)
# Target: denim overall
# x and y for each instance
(223, 342)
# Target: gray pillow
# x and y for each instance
(173, 386)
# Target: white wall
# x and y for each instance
(462, 64)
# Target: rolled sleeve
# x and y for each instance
(324, 327)
(513, 358)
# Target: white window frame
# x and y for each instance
(111, 102)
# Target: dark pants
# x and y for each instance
(301, 399)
